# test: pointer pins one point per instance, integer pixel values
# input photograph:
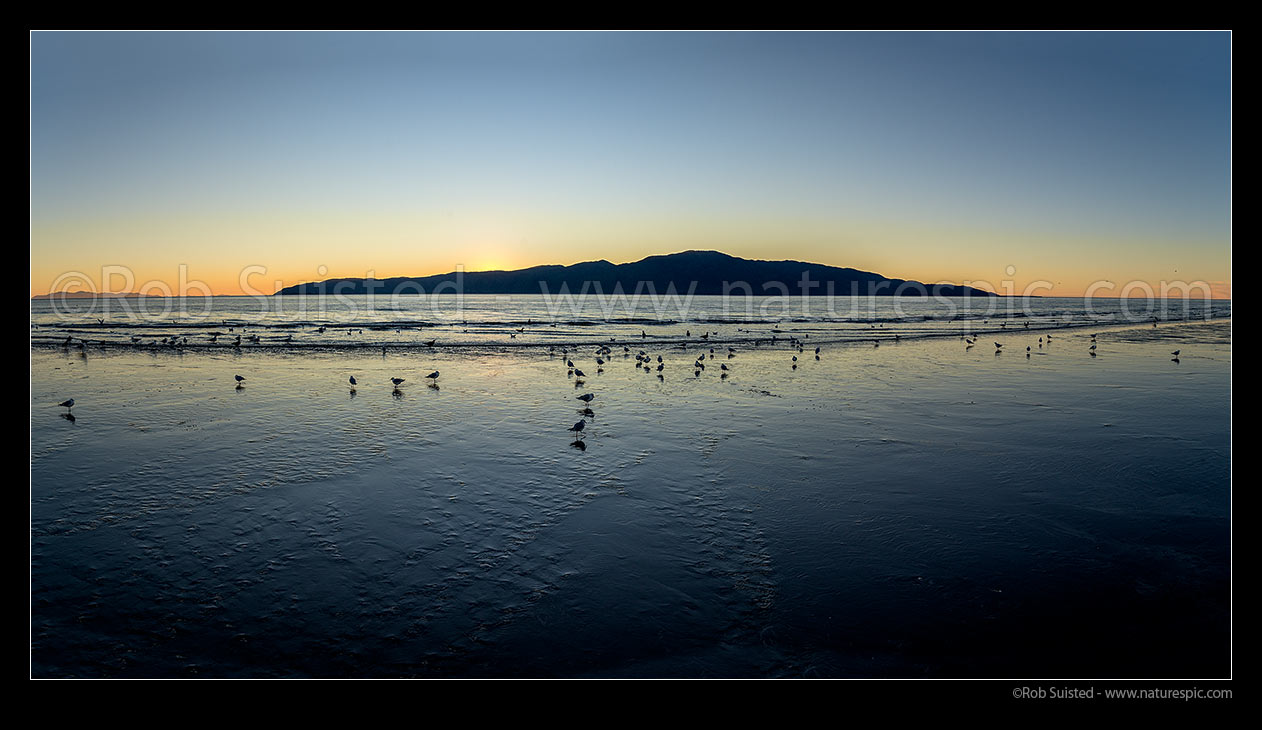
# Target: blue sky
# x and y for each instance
(1072, 157)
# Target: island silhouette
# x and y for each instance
(687, 272)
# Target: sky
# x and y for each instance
(249, 161)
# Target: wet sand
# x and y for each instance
(914, 509)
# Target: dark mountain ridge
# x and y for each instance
(695, 272)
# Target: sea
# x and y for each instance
(762, 488)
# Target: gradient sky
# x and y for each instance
(953, 156)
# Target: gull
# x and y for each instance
(1176, 353)
(239, 378)
(397, 381)
(353, 381)
(433, 375)
(430, 343)
(67, 404)
(586, 397)
(578, 428)
(998, 345)
(579, 373)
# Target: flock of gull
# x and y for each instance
(970, 341)
(604, 354)
(650, 364)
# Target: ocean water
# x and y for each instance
(347, 322)
(907, 507)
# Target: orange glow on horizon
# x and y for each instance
(260, 253)
(260, 280)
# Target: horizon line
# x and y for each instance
(986, 286)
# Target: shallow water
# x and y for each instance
(518, 321)
(912, 509)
